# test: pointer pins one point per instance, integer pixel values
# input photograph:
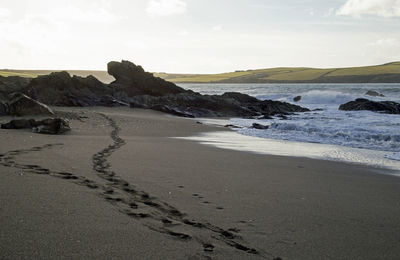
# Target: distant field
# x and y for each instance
(382, 73)
(101, 75)
(389, 72)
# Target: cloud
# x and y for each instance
(382, 8)
(217, 28)
(4, 13)
(386, 42)
(166, 7)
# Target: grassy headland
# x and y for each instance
(389, 72)
(386, 73)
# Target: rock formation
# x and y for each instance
(133, 81)
(60, 89)
(22, 105)
(3, 108)
(388, 107)
(46, 126)
(141, 89)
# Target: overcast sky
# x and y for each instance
(198, 36)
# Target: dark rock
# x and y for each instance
(3, 108)
(297, 99)
(373, 93)
(19, 124)
(60, 89)
(51, 126)
(259, 126)
(22, 105)
(133, 80)
(240, 97)
(388, 107)
(232, 126)
(141, 89)
(46, 126)
(12, 84)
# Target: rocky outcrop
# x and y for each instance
(3, 108)
(141, 89)
(12, 84)
(46, 126)
(373, 93)
(239, 97)
(388, 107)
(133, 80)
(60, 89)
(22, 105)
(233, 104)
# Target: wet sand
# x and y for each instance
(117, 186)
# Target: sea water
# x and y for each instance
(373, 136)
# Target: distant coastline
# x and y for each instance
(385, 73)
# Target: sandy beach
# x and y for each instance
(119, 187)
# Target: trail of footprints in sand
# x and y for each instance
(150, 211)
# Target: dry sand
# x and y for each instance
(118, 187)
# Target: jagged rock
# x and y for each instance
(133, 80)
(22, 105)
(297, 99)
(3, 108)
(216, 106)
(259, 126)
(388, 107)
(141, 89)
(60, 89)
(46, 126)
(240, 97)
(373, 93)
(12, 84)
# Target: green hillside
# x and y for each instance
(389, 73)
(101, 75)
(382, 73)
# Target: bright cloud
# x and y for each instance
(217, 28)
(383, 8)
(166, 7)
(4, 12)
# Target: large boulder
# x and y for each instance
(133, 80)
(45, 126)
(22, 105)
(388, 107)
